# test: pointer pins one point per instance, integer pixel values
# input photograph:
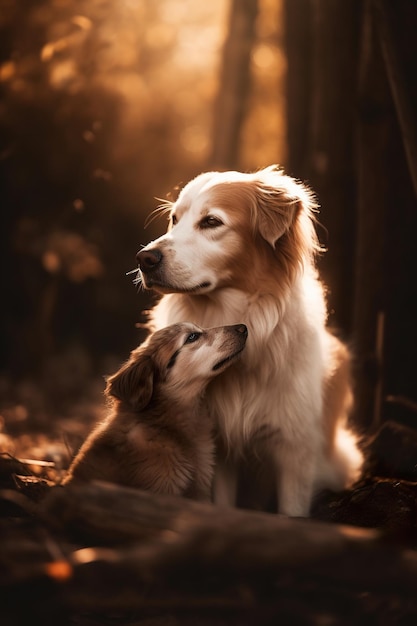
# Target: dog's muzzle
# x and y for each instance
(153, 270)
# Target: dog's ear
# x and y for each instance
(279, 199)
(133, 382)
(276, 211)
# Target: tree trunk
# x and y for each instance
(352, 135)
(234, 84)
(374, 140)
(322, 41)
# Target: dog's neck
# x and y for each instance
(222, 306)
(186, 413)
(184, 395)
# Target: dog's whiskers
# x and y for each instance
(162, 209)
(137, 281)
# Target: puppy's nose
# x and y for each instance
(149, 259)
(241, 329)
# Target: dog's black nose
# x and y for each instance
(149, 259)
(241, 329)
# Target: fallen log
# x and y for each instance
(101, 550)
(113, 514)
(168, 534)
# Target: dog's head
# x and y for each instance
(226, 230)
(176, 363)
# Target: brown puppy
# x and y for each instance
(158, 436)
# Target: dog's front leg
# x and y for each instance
(295, 465)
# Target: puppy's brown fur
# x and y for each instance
(157, 435)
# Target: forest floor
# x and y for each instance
(112, 556)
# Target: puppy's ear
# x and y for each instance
(133, 383)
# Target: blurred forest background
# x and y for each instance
(106, 106)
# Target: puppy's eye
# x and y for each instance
(172, 360)
(192, 337)
(174, 219)
(210, 222)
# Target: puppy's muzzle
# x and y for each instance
(241, 329)
(149, 260)
(239, 332)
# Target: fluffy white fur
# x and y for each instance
(241, 248)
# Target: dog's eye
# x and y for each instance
(174, 219)
(210, 222)
(192, 337)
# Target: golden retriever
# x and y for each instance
(242, 247)
(158, 436)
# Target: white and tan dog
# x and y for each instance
(242, 247)
(158, 436)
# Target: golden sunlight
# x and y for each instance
(162, 60)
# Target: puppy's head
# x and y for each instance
(176, 363)
(226, 228)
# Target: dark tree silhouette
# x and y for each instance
(352, 136)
